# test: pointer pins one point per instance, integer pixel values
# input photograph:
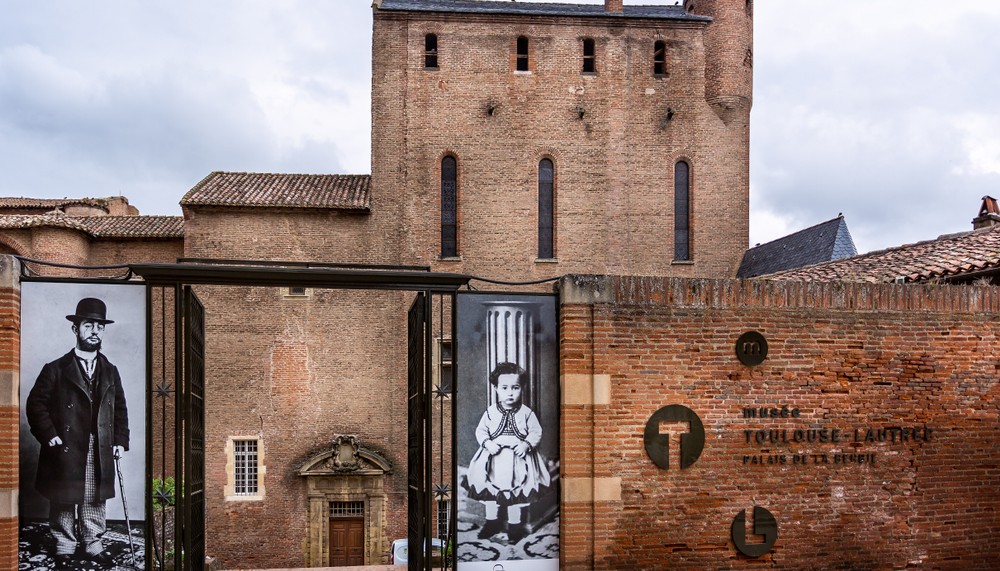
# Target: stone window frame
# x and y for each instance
(230, 491)
(296, 292)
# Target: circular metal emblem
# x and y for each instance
(763, 524)
(658, 443)
(751, 348)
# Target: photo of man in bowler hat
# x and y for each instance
(76, 411)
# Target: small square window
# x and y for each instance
(297, 292)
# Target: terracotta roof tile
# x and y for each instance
(121, 227)
(268, 190)
(134, 226)
(49, 203)
(947, 256)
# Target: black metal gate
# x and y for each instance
(193, 422)
(415, 343)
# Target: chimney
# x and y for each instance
(613, 6)
(989, 214)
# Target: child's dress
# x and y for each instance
(504, 476)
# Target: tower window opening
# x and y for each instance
(430, 51)
(449, 207)
(660, 58)
(682, 212)
(522, 53)
(589, 57)
(546, 210)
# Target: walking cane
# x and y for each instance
(128, 524)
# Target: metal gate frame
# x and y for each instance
(189, 358)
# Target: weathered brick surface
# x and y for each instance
(614, 164)
(847, 358)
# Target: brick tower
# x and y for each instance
(521, 141)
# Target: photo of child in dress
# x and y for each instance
(507, 470)
(507, 432)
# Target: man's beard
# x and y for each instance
(87, 345)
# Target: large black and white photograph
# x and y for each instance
(82, 426)
(508, 432)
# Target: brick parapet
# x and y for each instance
(726, 293)
(849, 357)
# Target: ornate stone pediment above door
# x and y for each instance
(346, 480)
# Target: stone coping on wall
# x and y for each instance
(731, 293)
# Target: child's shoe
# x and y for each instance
(516, 532)
(490, 528)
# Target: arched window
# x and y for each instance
(660, 58)
(430, 51)
(546, 210)
(682, 211)
(589, 57)
(449, 207)
(522, 53)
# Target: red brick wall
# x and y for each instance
(10, 354)
(846, 356)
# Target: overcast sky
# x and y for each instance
(881, 109)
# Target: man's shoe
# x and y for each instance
(64, 562)
(490, 528)
(102, 558)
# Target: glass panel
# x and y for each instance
(546, 213)
(430, 51)
(682, 212)
(449, 207)
(522, 53)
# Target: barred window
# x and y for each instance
(347, 509)
(245, 467)
(443, 515)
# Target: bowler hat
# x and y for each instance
(90, 308)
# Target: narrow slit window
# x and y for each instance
(589, 56)
(546, 210)
(449, 207)
(660, 58)
(522, 53)
(682, 211)
(430, 51)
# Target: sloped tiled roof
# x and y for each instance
(134, 226)
(945, 257)
(269, 190)
(534, 9)
(49, 203)
(830, 240)
(121, 227)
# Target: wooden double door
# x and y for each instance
(347, 541)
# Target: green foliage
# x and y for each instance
(164, 493)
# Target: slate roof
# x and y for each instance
(535, 9)
(269, 190)
(830, 240)
(946, 257)
(113, 227)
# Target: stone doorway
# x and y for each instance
(347, 505)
